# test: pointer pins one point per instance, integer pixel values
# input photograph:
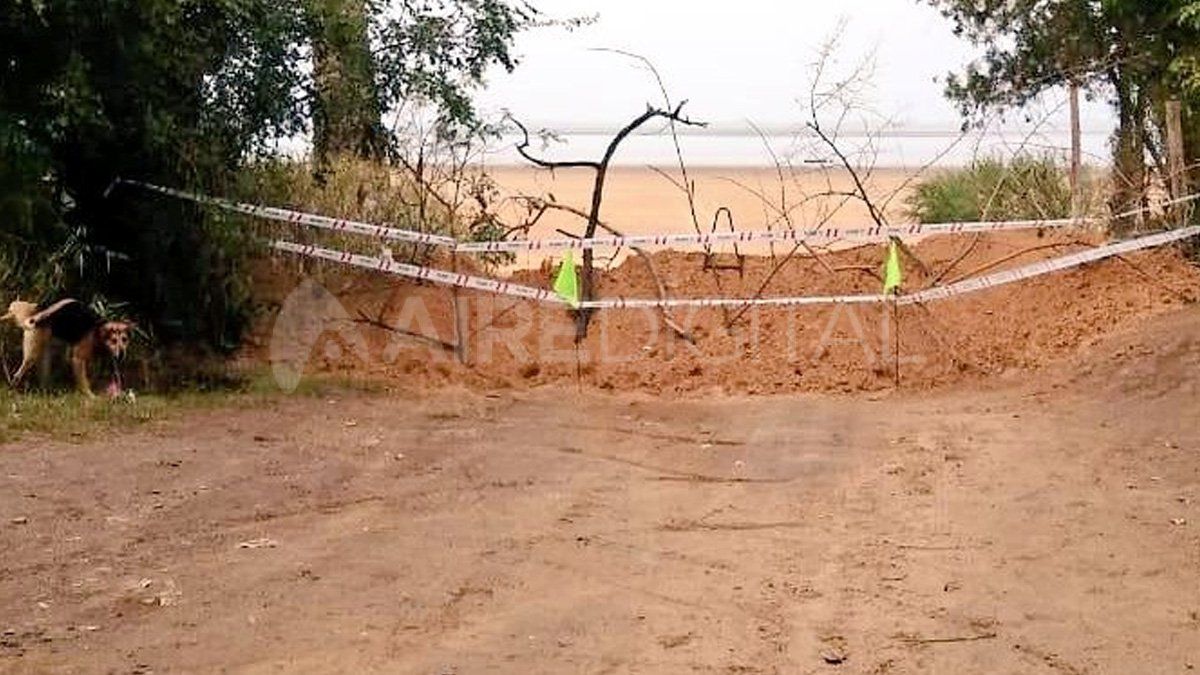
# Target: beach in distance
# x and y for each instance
(640, 200)
(779, 179)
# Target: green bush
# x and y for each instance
(1027, 187)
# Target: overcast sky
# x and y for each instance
(733, 60)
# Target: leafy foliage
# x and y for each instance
(1028, 187)
(185, 93)
(1137, 53)
(178, 92)
(438, 49)
(1034, 45)
(372, 57)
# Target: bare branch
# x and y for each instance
(673, 115)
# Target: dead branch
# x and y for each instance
(765, 284)
(583, 318)
(1019, 254)
(966, 253)
(365, 320)
(778, 267)
(860, 188)
(865, 269)
(660, 287)
(847, 87)
(685, 184)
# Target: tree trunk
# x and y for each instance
(347, 109)
(1176, 159)
(1129, 153)
(1191, 143)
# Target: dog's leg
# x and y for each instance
(32, 347)
(81, 355)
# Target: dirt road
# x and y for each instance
(1048, 526)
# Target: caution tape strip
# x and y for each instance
(423, 273)
(679, 303)
(929, 295)
(301, 218)
(1051, 266)
(854, 234)
(868, 234)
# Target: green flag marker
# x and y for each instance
(893, 275)
(567, 283)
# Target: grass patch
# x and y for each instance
(72, 416)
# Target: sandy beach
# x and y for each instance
(639, 200)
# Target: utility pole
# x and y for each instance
(1077, 205)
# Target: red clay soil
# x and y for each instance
(514, 343)
(1051, 525)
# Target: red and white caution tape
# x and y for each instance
(1050, 266)
(874, 233)
(677, 303)
(301, 218)
(930, 295)
(867, 234)
(424, 273)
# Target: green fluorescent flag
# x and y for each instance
(893, 276)
(567, 283)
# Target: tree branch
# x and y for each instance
(675, 115)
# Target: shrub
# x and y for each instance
(1027, 187)
(456, 202)
(36, 246)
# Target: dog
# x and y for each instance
(79, 327)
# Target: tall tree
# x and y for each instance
(347, 114)
(1123, 49)
(373, 56)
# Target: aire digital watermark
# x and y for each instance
(313, 326)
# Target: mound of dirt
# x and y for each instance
(515, 343)
(1152, 361)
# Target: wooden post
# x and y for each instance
(896, 312)
(1077, 205)
(1176, 162)
(460, 329)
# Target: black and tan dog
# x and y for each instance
(72, 322)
